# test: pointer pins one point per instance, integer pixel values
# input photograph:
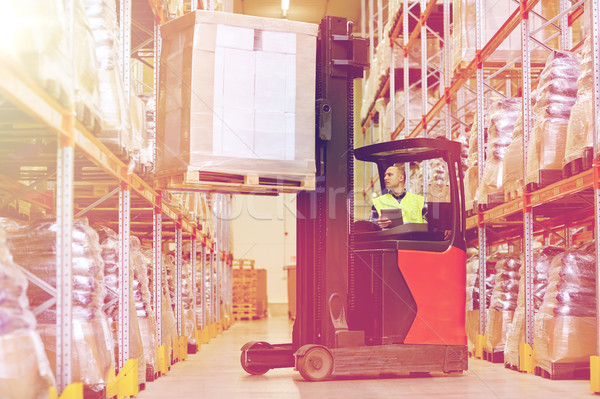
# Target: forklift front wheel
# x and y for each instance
(250, 369)
(315, 364)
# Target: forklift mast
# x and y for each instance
(325, 216)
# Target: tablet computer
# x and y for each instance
(394, 214)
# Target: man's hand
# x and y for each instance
(383, 223)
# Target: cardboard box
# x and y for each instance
(237, 96)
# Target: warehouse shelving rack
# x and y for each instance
(563, 205)
(88, 176)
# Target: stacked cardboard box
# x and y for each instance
(237, 96)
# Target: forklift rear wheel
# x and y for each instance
(316, 364)
(250, 369)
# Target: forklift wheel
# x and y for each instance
(254, 370)
(316, 364)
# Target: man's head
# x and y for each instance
(394, 178)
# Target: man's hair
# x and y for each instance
(400, 167)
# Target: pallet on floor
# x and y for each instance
(565, 371)
(494, 357)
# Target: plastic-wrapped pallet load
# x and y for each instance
(34, 247)
(501, 116)
(39, 42)
(495, 14)
(557, 92)
(512, 165)
(169, 322)
(503, 303)
(565, 326)
(579, 130)
(109, 244)
(114, 106)
(246, 104)
(25, 370)
(143, 304)
(472, 172)
(490, 282)
(542, 257)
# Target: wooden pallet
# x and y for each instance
(151, 374)
(565, 371)
(243, 263)
(512, 367)
(88, 393)
(494, 357)
(512, 194)
(545, 178)
(249, 183)
(492, 200)
(579, 165)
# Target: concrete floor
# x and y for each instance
(215, 372)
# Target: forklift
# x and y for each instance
(371, 301)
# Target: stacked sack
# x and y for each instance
(579, 130)
(169, 321)
(501, 119)
(472, 168)
(542, 257)
(34, 247)
(512, 168)
(109, 244)
(557, 93)
(114, 108)
(503, 302)
(143, 303)
(26, 372)
(565, 326)
(187, 299)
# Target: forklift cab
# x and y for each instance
(412, 276)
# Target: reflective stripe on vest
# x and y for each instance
(411, 204)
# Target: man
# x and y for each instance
(397, 197)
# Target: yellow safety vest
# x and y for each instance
(411, 205)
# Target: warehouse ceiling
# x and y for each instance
(302, 10)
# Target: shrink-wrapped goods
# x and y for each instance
(565, 326)
(246, 104)
(557, 90)
(25, 372)
(140, 264)
(579, 129)
(542, 257)
(109, 244)
(494, 16)
(38, 40)
(34, 247)
(501, 118)
(114, 106)
(512, 165)
(86, 67)
(472, 172)
(503, 303)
